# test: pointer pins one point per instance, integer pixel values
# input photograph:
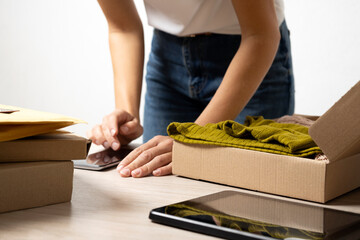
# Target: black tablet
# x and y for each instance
(235, 215)
(104, 159)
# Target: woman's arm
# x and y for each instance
(126, 40)
(260, 38)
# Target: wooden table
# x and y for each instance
(106, 206)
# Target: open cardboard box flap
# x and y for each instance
(337, 132)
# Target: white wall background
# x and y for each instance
(54, 55)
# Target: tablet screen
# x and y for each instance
(235, 215)
(104, 159)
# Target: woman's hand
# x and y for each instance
(152, 157)
(118, 128)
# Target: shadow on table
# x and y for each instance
(351, 198)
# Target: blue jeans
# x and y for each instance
(183, 74)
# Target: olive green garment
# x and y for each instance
(256, 133)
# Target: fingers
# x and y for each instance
(152, 155)
(101, 137)
(96, 135)
(110, 129)
(143, 168)
(117, 128)
(140, 150)
(162, 171)
(112, 121)
(130, 127)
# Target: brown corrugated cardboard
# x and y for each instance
(342, 122)
(34, 184)
(279, 174)
(58, 145)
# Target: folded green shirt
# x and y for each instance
(256, 133)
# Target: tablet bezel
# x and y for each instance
(158, 215)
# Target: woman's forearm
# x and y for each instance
(126, 40)
(127, 54)
(245, 73)
(259, 43)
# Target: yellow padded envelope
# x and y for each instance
(18, 122)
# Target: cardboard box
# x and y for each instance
(58, 145)
(337, 133)
(34, 184)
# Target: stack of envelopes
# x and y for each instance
(35, 158)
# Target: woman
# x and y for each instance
(210, 60)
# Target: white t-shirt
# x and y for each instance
(186, 17)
